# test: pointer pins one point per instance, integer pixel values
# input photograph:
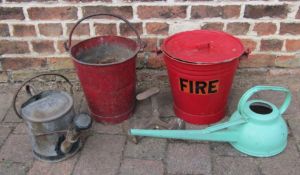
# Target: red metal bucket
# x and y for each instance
(105, 66)
(201, 65)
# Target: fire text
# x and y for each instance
(199, 87)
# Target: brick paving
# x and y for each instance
(183, 158)
(147, 148)
(141, 167)
(108, 151)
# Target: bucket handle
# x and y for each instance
(69, 44)
(27, 89)
(256, 89)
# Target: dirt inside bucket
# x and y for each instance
(105, 54)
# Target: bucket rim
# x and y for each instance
(163, 49)
(198, 63)
(136, 51)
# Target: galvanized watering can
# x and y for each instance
(52, 124)
(256, 128)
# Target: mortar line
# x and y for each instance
(64, 55)
(242, 11)
(277, 23)
(293, 11)
(164, 159)
(225, 26)
(55, 43)
(25, 163)
(176, 19)
(79, 13)
(64, 29)
(283, 48)
(122, 156)
(25, 12)
(30, 47)
(41, 37)
(158, 3)
(212, 158)
(5, 139)
(92, 28)
(297, 147)
(31, 165)
(77, 160)
(6, 113)
(259, 167)
(37, 30)
(188, 12)
(135, 15)
(251, 31)
(118, 25)
(10, 30)
(144, 30)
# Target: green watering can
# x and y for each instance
(256, 128)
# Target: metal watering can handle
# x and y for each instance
(255, 89)
(68, 46)
(40, 75)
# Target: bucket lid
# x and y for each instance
(203, 47)
(46, 106)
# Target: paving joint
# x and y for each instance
(122, 157)
(77, 160)
(10, 132)
(164, 159)
(6, 113)
(212, 159)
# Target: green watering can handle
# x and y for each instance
(255, 89)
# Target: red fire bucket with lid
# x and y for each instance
(105, 66)
(201, 65)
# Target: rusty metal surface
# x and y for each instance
(105, 54)
(114, 56)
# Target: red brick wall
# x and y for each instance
(32, 32)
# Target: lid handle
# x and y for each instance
(202, 46)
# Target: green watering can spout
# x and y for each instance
(256, 128)
(220, 136)
(219, 133)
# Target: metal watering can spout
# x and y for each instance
(256, 128)
(220, 133)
